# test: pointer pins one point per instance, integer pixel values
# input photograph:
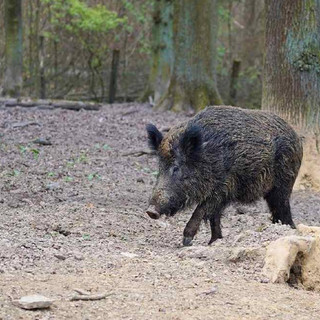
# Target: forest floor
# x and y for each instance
(72, 216)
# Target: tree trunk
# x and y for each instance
(234, 81)
(36, 35)
(13, 48)
(291, 86)
(162, 49)
(193, 80)
(41, 69)
(114, 75)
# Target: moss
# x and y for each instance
(201, 98)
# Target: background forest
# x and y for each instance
(76, 41)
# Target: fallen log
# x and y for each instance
(50, 104)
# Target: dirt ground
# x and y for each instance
(72, 217)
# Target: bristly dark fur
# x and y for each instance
(191, 141)
(154, 136)
(225, 155)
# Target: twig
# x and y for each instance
(25, 124)
(90, 297)
(82, 292)
(43, 142)
(139, 153)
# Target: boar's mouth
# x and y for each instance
(153, 213)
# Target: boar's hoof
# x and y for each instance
(152, 213)
(187, 241)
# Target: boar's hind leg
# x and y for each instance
(214, 212)
(215, 227)
(279, 205)
(193, 224)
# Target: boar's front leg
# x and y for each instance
(211, 209)
(193, 224)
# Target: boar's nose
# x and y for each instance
(152, 212)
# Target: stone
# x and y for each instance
(33, 302)
(281, 255)
(310, 268)
(129, 255)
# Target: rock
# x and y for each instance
(310, 268)
(306, 230)
(129, 254)
(281, 255)
(33, 302)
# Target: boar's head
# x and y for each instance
(179, 154)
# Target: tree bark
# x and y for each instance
(193, 80)
(42, 70)
(114, 75)
(162, 50)
(13, 48)
(234, 81)
(291, 86)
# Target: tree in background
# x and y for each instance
(291, 86)
(193, 80)
(161, 50)
(69, 47)
(13, 48)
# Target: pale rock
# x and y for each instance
(129, 254)
(281, 255)
(33, 302)
(310, 269)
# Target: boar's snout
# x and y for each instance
(152, 212)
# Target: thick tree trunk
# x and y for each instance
(193, 81)
(291, 86)
(13, 48)
(162, 50)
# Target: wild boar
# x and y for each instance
(224, 155)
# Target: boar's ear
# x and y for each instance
(191, 141)
(154, 137)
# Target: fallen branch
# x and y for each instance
(25, 124)
(91, 297)
(46, 104)
(139, 153)
(82, 292)
(42, 142)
